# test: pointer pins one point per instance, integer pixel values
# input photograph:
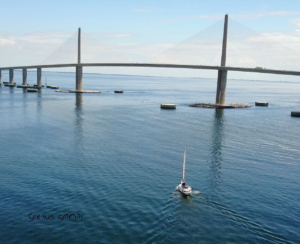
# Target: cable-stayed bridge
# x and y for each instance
(240, 48)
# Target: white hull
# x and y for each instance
(186, 190)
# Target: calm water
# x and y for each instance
(115, 159)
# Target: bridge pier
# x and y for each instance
(0, 77)
(221, 87)
(79, 67)
(79, 78)
(222, 74)
(39, 77)
(24, 71)
(11, 76)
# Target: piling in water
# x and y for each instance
(75, 91)
(6, 82)
(168, 106)
(10, 85)
(218, 106)
(295, 113)
(265, 104)
(22, 86)
(32, 90)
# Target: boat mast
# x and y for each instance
(183, 168)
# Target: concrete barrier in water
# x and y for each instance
(264, 104)
(10, 85)
(168, 106)
(79, 91)
(22, 86)
(295, 113)
(36, 86)
(6, 82)
(32, 90)
(219, 106)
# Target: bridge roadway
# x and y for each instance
(149, 65)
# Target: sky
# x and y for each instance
(32, 32)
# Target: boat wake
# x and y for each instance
(195, 192)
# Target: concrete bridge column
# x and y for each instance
(221, 87)
(222, 74)
(0, 77)
(11, 76)
(79, 78)
(79, 67)
(39, 77)
(24, 77)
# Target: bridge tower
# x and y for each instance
(79, 66)
(222, 74)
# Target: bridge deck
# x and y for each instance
(148, 65)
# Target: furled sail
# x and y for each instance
(183, 168)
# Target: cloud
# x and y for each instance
(7, 41)
(265, 14)
(46, 38)
(30, 48)
(296, 22)
(253, 15)
(42, 39)
(289, 37)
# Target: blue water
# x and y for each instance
(114, 161)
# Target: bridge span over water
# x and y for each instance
(150, 65)
(222, 69)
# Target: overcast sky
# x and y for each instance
(31, 31)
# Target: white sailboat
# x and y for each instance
(183, 187)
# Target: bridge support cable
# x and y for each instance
(256, 50)
(64, 54)
(246, 48)
(94, 51)
(202, 48)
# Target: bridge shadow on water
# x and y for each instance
(215, 158)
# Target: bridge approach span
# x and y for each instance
(148, 65)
